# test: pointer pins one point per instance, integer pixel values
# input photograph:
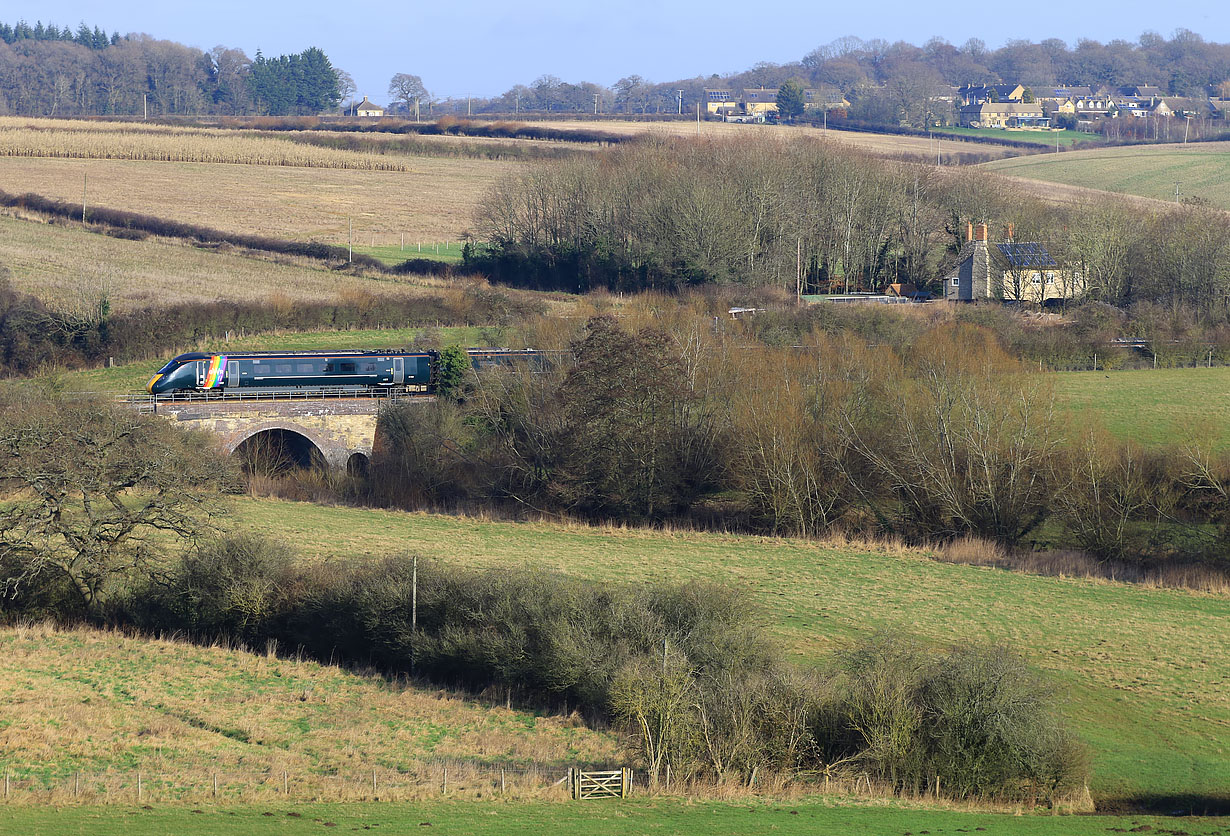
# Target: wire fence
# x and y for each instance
(414, 782)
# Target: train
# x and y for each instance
(358, 370)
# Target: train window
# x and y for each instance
(262, 368)
(369, 367)
(283, 368)
(341, 368)
(305, 368)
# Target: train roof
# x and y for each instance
(347, 352)
(343, 352)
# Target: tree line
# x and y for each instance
(91, 74)
(937, 436)
(900, 82)
(809, 216)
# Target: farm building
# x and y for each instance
(366, 108)
(1008, 271)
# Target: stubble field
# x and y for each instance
(433, 200)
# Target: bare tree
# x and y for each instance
(97, 493)
(408, 89)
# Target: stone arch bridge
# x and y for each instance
(342, 430)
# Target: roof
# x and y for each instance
(1026, 254)
(367, 105)
(1005, 107)
(763, 94)
(1001, 90)
(1069, 92)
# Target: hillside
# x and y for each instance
(84, 711)
(1199, 170)
(64, 266)
(1146, 685)
(244, 181)
(1152, 406)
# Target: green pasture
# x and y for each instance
(662, 817)
(1143, 671)
(1153, 406)
(1199, 170)
(1047, 138)
(392, 255)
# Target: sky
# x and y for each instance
(484, 47)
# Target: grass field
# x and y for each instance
(61, 265)
(1143, 668)
(447, 251)
(1198, 170)
(1043, 138)
(1153, 406)
(639, 817)
(105, 706)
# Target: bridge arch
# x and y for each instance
(287, 443)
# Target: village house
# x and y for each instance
(755, 103)
(1008, 271)
(366, 108)
(1003, 115)
(974, 94)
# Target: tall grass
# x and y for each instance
(184, 145)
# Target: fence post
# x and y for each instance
(373, 783)
(139, 786)
(285, 783)
(215, 785)
(501, 780)
(76, 784)
(6, 783)
(444, 782)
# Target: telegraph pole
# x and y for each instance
(680, 92)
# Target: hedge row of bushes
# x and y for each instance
(681, 670)
(136, 223)
(446, 125)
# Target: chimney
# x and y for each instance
(1011, 231)
(969, 231)
(980, 234)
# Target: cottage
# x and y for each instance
(366, 108)
(1008, 271)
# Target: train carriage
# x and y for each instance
(295, 371)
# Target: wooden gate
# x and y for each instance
(607, 784)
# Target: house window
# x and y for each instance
(956, 282)
(1036, 278)
(1050, 278)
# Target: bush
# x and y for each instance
(978, 719)
(238, 586)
